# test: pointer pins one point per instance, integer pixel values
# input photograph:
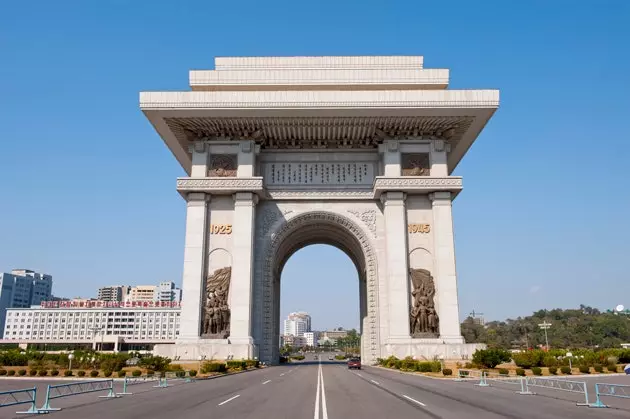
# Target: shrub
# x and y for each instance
(584, 369)
(468, 365)
(94, 373)
(156, 363)
(610, 368)
(504, 371)
(537, 370)
(150, 372)
(210, 366)
(121, 373)
(42, 373)
(136, 373)
(549, 361)
(67, 373)
(253, 363)
(3, 372)
(529, 359)
(599, 368)
(447, 371)
(81, 373)
(180, 374)
(32, 373)
(520, 371)
(490, 358)
(54, 372)
(431, 366)
(409, 364)
(108, 373)
(340, 357)
(237, 365)
(11, 373)
(624, 356)
(192, 373)
(175, 367)
(553, 370)
(565, 370)
(21, 372)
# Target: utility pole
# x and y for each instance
(544, 326)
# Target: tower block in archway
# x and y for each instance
(284, 152)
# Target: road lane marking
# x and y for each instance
(281, 374)
(324, 407)
(413, 400)
(268, 381)
(229, 400)
(359, 375)
(376, 382)
(316, 414)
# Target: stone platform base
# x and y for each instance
(432, 350)
(218, 349)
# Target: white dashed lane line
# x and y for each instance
(229, 400)
(413, 400)
(268, 381)
(376, 382)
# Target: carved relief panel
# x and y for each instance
(216, 310)
(223, 165)
(423, 318)
(415, 164)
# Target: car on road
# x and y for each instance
(330, 358)
(354, 363)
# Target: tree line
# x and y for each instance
(584, 327)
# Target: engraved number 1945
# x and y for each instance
(419, 228)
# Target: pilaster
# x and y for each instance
(199, 150)
(439, 156)
(247, 158)
(446, 274)
(243, 267)
(390, 151)
(194, 264)
(397, 265)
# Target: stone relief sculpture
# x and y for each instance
(222, 165)
(216, 312)
(415, 164)
(424, 321)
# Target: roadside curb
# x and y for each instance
(410, 373)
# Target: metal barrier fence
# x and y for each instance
(610, 390)
(72, 389)
(15, 397)
(509, 379)
(130, 381)
(561, 385)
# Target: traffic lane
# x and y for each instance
(181, 400)
(349, 396)
(288, 396)
(451, 399)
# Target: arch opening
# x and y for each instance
(332, 229)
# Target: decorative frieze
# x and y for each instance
(220, 186)
(368, 217)
(417, 184)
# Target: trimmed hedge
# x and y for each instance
(94, 373)
(121, 373)
(520, 372)
(584, 369)
(192, 373)
(54, 372)
(612, 368)
(67, 373)
(42, 373)
(447, 371)
(21, 372)
(565, 370)
(209, 367)
(553, 370)
(81, 373)
(3, 372)
(136, 373)
(32, 373)
(598, 368)
(11, 373)
(504, 371)
(537, 370)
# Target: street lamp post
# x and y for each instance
(544, 326)
(70, 357)
(199, 358)
(570, 355)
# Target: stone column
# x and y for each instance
(397, 265)
(444, 263)
(194, 265)
(242, 268)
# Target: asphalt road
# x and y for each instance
(318, 390)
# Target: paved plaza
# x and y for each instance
(323, 390)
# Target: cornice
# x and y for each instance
(220, 185)
(416, 185)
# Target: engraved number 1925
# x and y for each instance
(220, 228)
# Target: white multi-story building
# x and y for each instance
(167, 291)
(297, 324)
(22, 288)
(311, 338)
(96, 322)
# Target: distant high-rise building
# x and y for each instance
(297, 324)
(311, 338)
(23, 288)
(114, 293)
(167, 291)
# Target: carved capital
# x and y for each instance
(197, 197)
(440, 198)
(245, 199)
(392, 145)
(247, 146)
(393, 198)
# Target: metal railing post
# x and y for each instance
(598, 401)
(524, 387)
(46, 406)
(586, 403)
(482, 382)
(125, 383)
(111, 394)
(33, 408)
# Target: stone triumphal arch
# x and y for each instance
(283, 152)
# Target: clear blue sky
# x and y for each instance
(87, 186)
